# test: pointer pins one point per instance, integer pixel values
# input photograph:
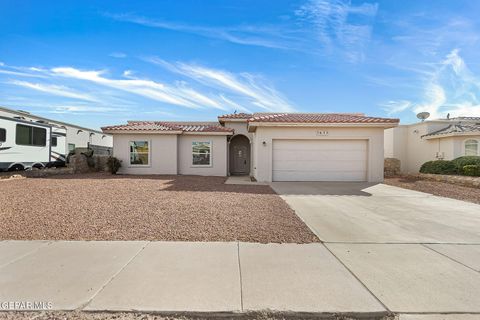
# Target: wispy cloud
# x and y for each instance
(54, 90)
(118, 55)
(245, 84)
(392, 107)
(448, 87)
(331, 22)
(262, 36)
(147, 88)
(318, 27)
(195, 87)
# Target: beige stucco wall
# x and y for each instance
(263, 153)
(406, 144)
(163, 153)
(219, 155)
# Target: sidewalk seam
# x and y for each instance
(240, 274)
(83, 306)
(355, 276)
(450, 258)
(47, 243)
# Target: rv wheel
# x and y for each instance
(16, 167)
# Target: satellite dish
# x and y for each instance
(423, 115)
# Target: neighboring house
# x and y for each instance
(269, 147)
(442, 139)
(77, 137)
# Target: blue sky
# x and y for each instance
(105, 62)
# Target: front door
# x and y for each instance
(240, 163)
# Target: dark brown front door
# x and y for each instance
(240, 155)
(240, 161)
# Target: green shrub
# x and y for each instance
(461, 162)
(438, 167)
(471, 170)
(113, 164)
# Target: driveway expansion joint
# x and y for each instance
(113, 277)
(240, 275)
(357, 278)
(446, 256)
(47, 243)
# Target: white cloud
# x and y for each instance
(82, 109)
(245, 85)
(392, 107)
(118, 55)
(330, 20)
(196, 87)
(449, 87)
(268, 37)
(147, 88)
(318, 27)
(54, 90)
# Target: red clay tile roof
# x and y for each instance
(319, 118)
(167, 126)
(236, 116)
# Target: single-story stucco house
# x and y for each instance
(267, 146)
(442, 139)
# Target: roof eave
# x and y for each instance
(117, 131)
(385, 125)
(223, 120)
(451, 134)
(216, 133)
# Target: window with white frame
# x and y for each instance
(139, 153)
(201, 153)
(471, 147)
(3, 135)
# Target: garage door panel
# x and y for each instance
(319, 160)
(338, 165)
(314, 144)
(319, 176)
(316, 155)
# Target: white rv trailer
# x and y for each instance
(29, 144)
(77, 136)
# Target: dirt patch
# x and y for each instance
(170, 208)
(437, 188)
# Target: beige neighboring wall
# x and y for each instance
(262, 164)
(405, 143)
(163, 153)
(219, 155)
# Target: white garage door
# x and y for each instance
(319, 160)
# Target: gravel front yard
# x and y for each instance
(170, 208)
(437, 188)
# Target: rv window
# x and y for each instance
(3, 135)
(30, 136)
(54, 141)
(39, 136)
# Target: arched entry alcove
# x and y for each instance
(239, 155)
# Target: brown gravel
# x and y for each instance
(170, 208)
(437, 188)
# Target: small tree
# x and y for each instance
(113, 164)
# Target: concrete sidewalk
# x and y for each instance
(363, 280)
(181, 276)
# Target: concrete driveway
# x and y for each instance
(378, 213)
(415, 252)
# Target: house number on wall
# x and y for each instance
(321, 133)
